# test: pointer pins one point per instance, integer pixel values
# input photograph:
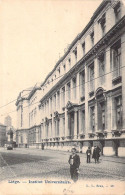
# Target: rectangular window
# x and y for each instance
(58, 71)
(64, 68)
(101, 116)
(92, 118)
(116, 59)
(103, 24)
(63, 124)
(69, 60)
(101, 60)
(51, 105)
(117, 11)
(74, 88)
(58, 99)
(118, 105)
(21, 116)
(68, 91)
(83, 120)
(83, 48)
(82, 83)
(55, 102)
(92, 38)
(91, 77)
(75, 53)
(63, 96)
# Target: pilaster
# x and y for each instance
(86, 103)
(75, 124)
(66, 124)
(109, 115)
(108, 75)
(123, 76)
(96, 71)
(77, 88)
(60, 128)
(80, 122)
(96, 117)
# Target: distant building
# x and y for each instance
(2, 135)
(82, 100)
(8, 121)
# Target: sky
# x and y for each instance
(33, 34)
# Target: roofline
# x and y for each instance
(84, 58)
(101, 6)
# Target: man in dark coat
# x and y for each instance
(74, 161)
(88, 152)
(96, 153)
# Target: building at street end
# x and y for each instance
(3, 137)
(82, 100)
(8, 121)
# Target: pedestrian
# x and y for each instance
(74, 161)
(88, 153)
(96, 154)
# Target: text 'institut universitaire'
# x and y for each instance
(82, 100)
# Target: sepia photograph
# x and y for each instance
(62, 97)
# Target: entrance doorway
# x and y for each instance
(116, 145)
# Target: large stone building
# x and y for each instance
(82, 100)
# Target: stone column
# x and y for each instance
(53, 128)
(43, 130)
(111, 124)
(77, 88)
(49, 107)
(86, 103)
(48, 130)
(96, 117)
(80, 123)
(56, 128)
(37, 135)
(66, 133)
(60, 128)
(60, 110)
(96, 71)
(71, 91)
(75, 124)
(108, 75)
(123, 77)
(109, 114)
(56, 102)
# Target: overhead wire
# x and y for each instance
(50, 81)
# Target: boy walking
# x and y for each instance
(88, 152)
(74, 161)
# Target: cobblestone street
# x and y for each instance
(26, 166)
(22, 163)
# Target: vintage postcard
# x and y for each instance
(62, 97)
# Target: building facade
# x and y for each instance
(3, 137)
(82, 100)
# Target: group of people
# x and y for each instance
(74, 160)
(95, 154)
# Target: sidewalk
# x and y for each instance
(39, 151)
